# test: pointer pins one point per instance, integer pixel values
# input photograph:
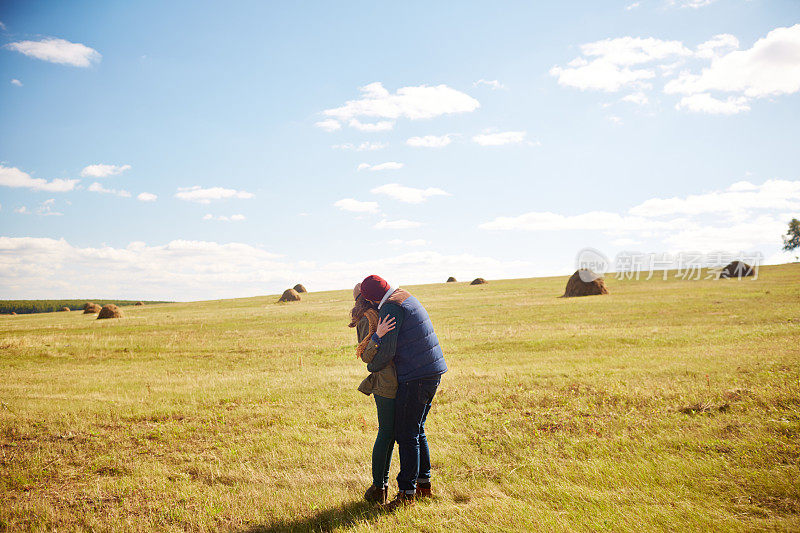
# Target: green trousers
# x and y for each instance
(384, 442)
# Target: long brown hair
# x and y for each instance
(361, 306)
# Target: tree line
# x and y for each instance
(22, 307)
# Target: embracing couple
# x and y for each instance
(405, 361)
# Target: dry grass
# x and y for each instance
(667, 405)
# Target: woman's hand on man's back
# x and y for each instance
(385, 325)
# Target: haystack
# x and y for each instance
(109, 311)
(65, 308)
(90, 308)
(478, 281)
(139, 303)
(451, 279)
(584, 283)
(299, 288)
(737, 269)
(289, 295)
(14, 313)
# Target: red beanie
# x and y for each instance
(374, 288)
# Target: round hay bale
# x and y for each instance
(584, 283)
(299, 288)
(139, 303)
(109, 311)
(65, 308)
(289, 295)
(451, 279)
(14, 313)
(91, 308)
(737, 269)
(478, 281)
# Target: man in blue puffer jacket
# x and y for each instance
(419, 361)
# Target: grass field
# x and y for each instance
(667, 405)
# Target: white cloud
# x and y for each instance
(770, 68)
(600, 75)
(740, 197)
(97, 187)
(625, 241)
(430, 141)
(103, 171)
(44, 209)
(638, 98)
(223, 218)
(705, 103)
(494, 84)
(328, 125)
(365, 146)
(409, 195)
(630, 51)
(397, 224)
(182, 270)
(389, 165)
(14, 177)
(615, 120)
(205, 196)
(738, 236)
(668, 69)
(16, 82)
(634, 5)
(419, 102)
(413, 242)
(694, 4)
(2, 26)
(717, 46)
(146, 197)
(594, 220)
(381, 125)
(606, 65)
(57, 51)
(501, 138)
(742, 217)
(355, 206)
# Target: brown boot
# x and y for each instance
(401, 500)
(424, 491)
(377, 495)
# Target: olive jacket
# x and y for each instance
(383, 382)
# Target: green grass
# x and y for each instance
(667, 405)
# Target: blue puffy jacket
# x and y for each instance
(418, 354)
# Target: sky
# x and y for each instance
(198, 150)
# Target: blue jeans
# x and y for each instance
(412, 404)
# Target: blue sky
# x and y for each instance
(181, 150)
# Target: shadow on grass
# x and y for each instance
(344, 515)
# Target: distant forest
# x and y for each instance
(22, 307)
